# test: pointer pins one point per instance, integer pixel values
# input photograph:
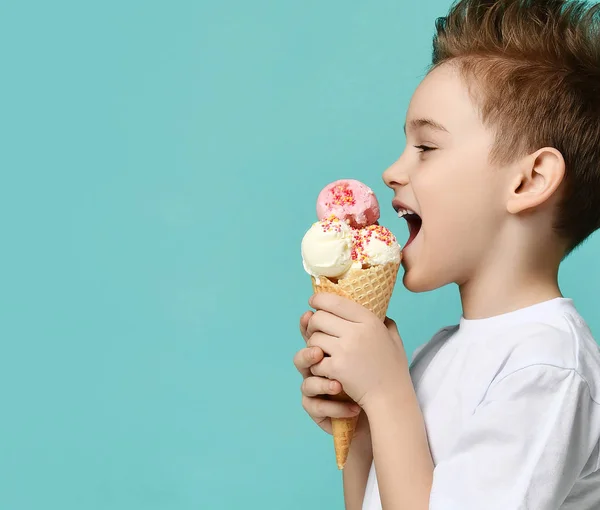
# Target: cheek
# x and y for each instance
(450, 191)
(445, 196)
(459, 207)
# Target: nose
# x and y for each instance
(396, 175)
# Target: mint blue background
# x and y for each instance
(145, 353)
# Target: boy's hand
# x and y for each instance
(365, 355)
(314, 388)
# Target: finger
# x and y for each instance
(307, 357)
(323, 368)
(313, 386)
(340, 306)
(304, 324)
(328, 344)
(327, 323)
(320, 408)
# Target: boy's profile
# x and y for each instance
(502, 165)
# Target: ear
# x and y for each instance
(537, 178)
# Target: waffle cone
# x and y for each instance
(372, 288)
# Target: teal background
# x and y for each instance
(148, 320)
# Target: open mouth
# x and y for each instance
(414, 224)
(414, 227)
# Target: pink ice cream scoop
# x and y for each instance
(348, 199)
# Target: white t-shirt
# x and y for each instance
(512, 411)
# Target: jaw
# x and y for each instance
(415, 281)
(419, 273)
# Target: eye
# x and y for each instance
(424, 148)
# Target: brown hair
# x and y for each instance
(537, 67)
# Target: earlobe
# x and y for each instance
(538, 177)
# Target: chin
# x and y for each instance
(416, 281)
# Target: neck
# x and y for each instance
(504, 284)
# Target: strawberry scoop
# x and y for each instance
(349, 200)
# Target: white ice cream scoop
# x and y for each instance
(327, 248)
(375, 245)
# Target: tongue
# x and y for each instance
(414, 226)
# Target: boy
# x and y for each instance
(502, 165)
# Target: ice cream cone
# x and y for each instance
(371, 287)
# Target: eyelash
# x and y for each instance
(424, 148)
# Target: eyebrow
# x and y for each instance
(417, 123)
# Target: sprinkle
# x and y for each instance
(331, 223)
(381, 233)
(358, 246)
(341, 195)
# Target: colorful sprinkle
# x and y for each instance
(380, 233)
(341, 195)
(331, 223)
(358, 246)
(362, 237)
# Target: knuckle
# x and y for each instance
(319, 408)
(305, 403)
(311, 406)
(309, 354)
(317, 315)
(315, 369)
(315, 355)
(303, 387)
(312, 322)
(298, 361)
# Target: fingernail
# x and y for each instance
(311, 354)
(355, 408)
(332, 386)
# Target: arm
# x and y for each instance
(367, 357)
(524, 446)
(356, 471)
(401, 451)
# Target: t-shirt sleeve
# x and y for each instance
(440, 335)
(523, 447)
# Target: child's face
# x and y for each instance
(459, 195)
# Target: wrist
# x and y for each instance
(394, 396)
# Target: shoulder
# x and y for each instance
(435, 342)
(553, 349)
(539, 343)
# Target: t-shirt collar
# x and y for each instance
(539, 311)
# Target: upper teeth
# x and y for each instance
(404, 212)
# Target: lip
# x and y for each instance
(398, 204)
